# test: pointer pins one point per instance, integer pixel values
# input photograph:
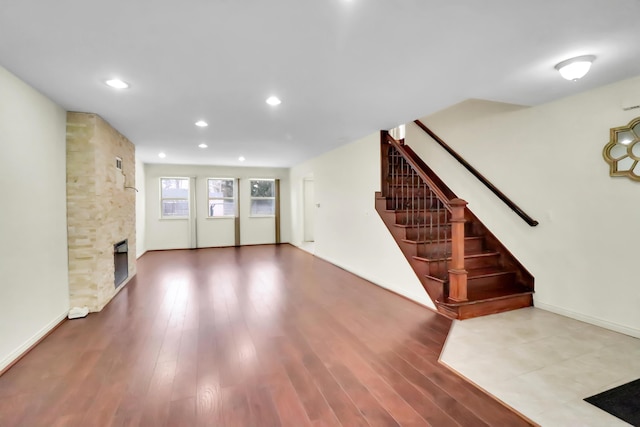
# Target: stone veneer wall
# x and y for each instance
(100, 211)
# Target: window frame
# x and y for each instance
(252, 198)
(188, 199)
(234, 198)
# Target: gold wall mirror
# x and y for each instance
(622, 152)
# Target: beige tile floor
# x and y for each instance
(543, 364)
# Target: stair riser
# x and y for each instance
(491, 282)
(435, 250)
(425, 233)
(400, 204)
(421, 217)
(398, 180)
(409, 192)
(492, 307)
(438, 267)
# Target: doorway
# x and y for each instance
(309, 206)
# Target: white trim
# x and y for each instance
(18, 352)
(589, 319)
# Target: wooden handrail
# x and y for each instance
(522, 214)
(421, 173)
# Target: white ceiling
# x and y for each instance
(343, 69)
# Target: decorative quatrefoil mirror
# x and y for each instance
(623, 151)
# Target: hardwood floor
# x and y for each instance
(252, 336)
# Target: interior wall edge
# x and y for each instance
(23, 349)
(418, 299)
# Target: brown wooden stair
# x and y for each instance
(415, 207)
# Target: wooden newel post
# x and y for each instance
(457, 273)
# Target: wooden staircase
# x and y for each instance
(465, 270)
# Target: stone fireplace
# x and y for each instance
(100, 210)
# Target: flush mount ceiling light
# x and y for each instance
(201, 124)
(273, 101)
(117, 84)
(203, 145)
(575, 68)
(162, 155)
(241, 158)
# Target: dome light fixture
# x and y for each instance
(241, 158)
(203, 145)
(575, 68)
(162, 155)
(201, 124)
(117, 84)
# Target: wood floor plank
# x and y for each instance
(251, 336)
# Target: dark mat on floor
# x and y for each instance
(622, 402)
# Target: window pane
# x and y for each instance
(220, 188)
(175, 208)
(219, 207)
(175, 188)
(263, 207)
(262, 188)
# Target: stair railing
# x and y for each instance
(433, 221)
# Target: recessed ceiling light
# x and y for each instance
(273, 101)
(241, 158)
(117, 84)
(162, 155)
(203, 145)
(202, 124)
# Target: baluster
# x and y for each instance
(390, 171)
(413, 200)
(428, 209)
(394, 193)
(405, 189)
(447, 251)
(457, 273)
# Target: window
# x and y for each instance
(174, 197)
(263, 197)
(221, 195)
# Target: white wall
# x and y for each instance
(34, 287)
(140, 209)
(212, 232)
(348, 230)
(548, 159)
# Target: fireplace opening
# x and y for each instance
(121, 261)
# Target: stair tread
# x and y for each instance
(476, 273)
(484, 253)
(486, 295)
(487, 271)
(441, 240)
(419, 225)
(416, 211)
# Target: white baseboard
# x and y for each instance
(589, 319)
(18, 352)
